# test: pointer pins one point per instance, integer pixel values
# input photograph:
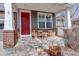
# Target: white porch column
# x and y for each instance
(9, 33)
(8, 22)
(67, 23)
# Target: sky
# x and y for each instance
(75, 10)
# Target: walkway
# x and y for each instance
(28, 47)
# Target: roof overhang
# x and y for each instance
(46, 7)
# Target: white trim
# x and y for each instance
(45, 23)
(21, 10)
(52, 20)
(67, 22)
(38, 20)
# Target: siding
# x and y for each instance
(34, 19)
(1, 35)
(54, 20)
(15, 19)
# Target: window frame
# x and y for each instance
(45, 14)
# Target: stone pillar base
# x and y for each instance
(67, 32)
(9, 38)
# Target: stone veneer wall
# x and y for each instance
(9, 39)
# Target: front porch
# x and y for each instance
(35, 20)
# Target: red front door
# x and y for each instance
(25, 23)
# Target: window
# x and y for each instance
(41, 21)
(45, 20)
(49, 22)
(2, 19)
(1, 26)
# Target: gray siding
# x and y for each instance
(34, 19)
(54, 20)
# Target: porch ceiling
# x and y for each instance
(46, 7)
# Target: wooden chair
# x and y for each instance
(40, 33)
(34, 34)
(44, 34)
(51, 33)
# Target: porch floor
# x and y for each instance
(28, 47)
